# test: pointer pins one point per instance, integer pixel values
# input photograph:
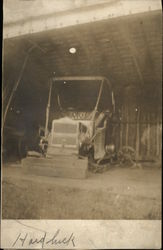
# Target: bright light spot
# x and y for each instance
(72, 50)
(64, 82)
(136, 109)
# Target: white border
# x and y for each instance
(87, 234)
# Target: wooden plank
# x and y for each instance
(137, 135)
(160, 142)
(120, 134)
(127, 126)
(158, 136)
(148, 136)
(142, 141)
(121, 128)
(132, 135)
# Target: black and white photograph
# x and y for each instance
(81, 121)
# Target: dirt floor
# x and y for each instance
(119, 193)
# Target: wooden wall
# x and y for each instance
(140, 128)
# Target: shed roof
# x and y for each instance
(127, 50)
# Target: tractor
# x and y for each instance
(77, 128)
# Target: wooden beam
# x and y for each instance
(16, 84)
(80, 78)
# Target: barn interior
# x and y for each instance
(119, 40)
(127, 49)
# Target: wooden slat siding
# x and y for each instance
(142, 131)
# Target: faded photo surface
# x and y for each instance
(82, 112)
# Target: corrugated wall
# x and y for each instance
(142, 130)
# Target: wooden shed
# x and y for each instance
(122, 44)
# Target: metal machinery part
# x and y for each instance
(75, 136)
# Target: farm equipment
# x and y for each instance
(77, 130)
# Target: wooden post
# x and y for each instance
(121, 128)
(148, 136)
(137, 134)
(157, 136)
(98, 100)
(127, 120)
(48, 109)
(16, 84)
(160, 143)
